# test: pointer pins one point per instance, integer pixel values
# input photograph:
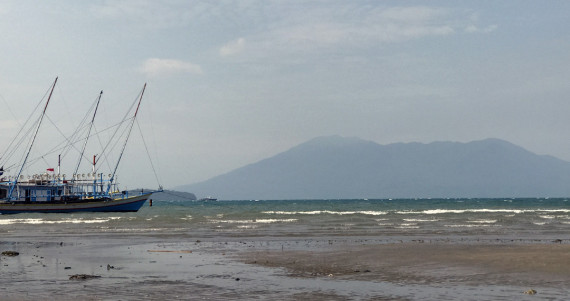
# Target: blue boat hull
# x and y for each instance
(131, 204)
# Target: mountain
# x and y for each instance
(338, 167)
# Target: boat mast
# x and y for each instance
(33, 140)
(88, 134)
(126, 140)
(94, 177)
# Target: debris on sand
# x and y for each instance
(530, 292)
(10, 253)
(83, 277)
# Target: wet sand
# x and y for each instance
(138, 267)
(537, 265)
(121, 268)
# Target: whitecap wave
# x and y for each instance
(419, 220)
(408, 226)
(483, 221)
(256, 221)
(469, 226)
(39, 221)
(459, 211)
(315, 212)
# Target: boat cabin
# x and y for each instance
(33, 193)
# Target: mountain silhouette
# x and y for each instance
(339, 168)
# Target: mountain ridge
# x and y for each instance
(338, 167)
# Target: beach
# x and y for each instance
(308, 268)
(540, 265)
(289, 250)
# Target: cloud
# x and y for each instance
(411, 14)
(149, 14)
(357, 27)
(475, 29)
(233, 47)
(155, 67)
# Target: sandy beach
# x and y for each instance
(139, 267)
(546, 265)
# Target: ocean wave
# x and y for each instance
(408, 226)
(145, 230)
(419, 220)
(315, 212)
(547, 216)
(469, 226)
(483, 221)
(459, 211)
(39, 221)
(247, 227)
(258, 221)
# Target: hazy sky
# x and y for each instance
(233, 82)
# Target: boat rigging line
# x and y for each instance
(74, 138)
(88, 133)
(33, 140)
(59, 147)
(148, 154)
(126, 140)
(2, 156)
(125, 119)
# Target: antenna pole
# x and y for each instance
(58, 167)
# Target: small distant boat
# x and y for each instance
(207, 199)
(54, 192)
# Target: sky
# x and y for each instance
(232, 82)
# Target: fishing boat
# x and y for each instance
(52, 191)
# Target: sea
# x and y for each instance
(393, 219)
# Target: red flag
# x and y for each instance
(50, 169)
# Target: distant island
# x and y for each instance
(337, 167)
